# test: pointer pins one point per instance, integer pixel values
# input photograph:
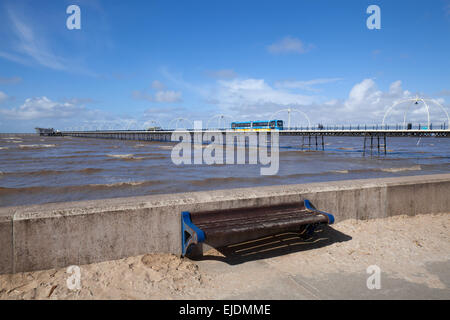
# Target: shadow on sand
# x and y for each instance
(276, 245)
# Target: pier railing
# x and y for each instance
(440, 130)
(367, 127)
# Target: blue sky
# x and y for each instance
(135, 62)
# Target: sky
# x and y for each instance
(136, 64)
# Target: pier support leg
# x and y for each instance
(364, 148)
(378, 138)
(371, 144)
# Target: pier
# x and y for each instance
(374, 139)
(374, 135)
(47, 132)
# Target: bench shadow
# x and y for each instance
(275, 245)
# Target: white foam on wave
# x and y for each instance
(121, 156)
(36, 146)
(412, 168)
(340, 171)
(118, 184)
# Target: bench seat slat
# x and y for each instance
(248, 213)
(268, 218)
(222, 226)
(263, 224)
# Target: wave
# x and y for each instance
(36, 146)
(126, 157)
(53, 172)
(45, 158)
(89, 188)
(390, 170)
(340, 171)
(143, 156)
(122, 184)
(85, 151)
(121, 156)
(303, 152)
(412, 168)
(219, 181)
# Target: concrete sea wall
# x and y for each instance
(75, 233)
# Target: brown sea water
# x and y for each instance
(37, 169)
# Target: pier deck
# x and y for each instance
(141, 134)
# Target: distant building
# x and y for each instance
(46, 131)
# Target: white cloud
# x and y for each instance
(165, 96)
(255, 98)
(29, 44)
(168, 96)
(289, 45)
(14, 58)
(178, 80)
(255, 95)
(44, 108)
(396, 88)
(444, 92)
(158, 85)
(363, 91)
(3, 97)
(305, 85)
(11, 80)
(161, 94)
(365, 103)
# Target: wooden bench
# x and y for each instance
(224, 227)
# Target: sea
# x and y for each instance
(36, 170)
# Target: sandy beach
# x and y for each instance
(413, 254)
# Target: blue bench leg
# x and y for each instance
(310, 228)
(190, 233)
(309, 206)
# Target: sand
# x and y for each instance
(280, 267)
